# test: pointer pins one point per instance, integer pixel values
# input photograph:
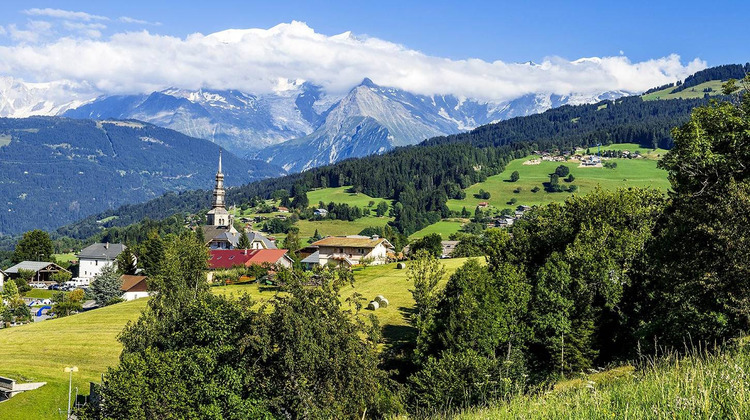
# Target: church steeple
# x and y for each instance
(218, 215)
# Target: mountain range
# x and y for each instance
(299, 125)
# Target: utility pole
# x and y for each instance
(70, 385)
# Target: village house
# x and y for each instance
(483, 205)
(283, 210)
(352, 250)
(94, 258)
(42, 270)
(134, 287)
(228, 258)
(321, 212)
(448, 248)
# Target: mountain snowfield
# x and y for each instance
(297, 126)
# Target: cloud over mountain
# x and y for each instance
(262, 60)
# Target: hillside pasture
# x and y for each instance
(694, 92)
(445, 228)
(629, 173)
(40, 351)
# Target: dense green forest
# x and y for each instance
(56, 170)
(422, 178)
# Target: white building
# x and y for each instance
(134, 287)
(2, 279)
(351, 250)
(94, 258)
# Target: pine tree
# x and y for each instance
(244, 242)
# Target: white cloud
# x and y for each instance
(63, 14)
(253, 60)
(127, 19)
(33, 31)
(89, 30)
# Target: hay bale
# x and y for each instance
(400, 266)
(373, 305)
(382, 301)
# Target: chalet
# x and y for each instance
(134, 287)
(228, 258)
(505, 222)
(94, 258)
(448, 248)
(42, 270)
(483, 205)
(310, 261)
(283, 210)
(321, 212)
(351, 250)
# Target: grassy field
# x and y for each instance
(629, 173)
(445, 228)
(701, 386)
(67, 257)
(40, 351)
(40, 293)
(338, 227)
(689, 93)
(341, 195)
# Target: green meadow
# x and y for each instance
(629, 173)
(689, 93)
(445, 228)
(38, 352)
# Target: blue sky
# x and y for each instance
(511, 31)
(428, 47)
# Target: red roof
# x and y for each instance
(228, 258)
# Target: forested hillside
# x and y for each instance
(422, 178)
(57, 170)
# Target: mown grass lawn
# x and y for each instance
(40, 351)
(445, 228)
(339, 227)
(629, 173)
(343, 196)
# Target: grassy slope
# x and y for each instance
(700, 386)
(629, 172)
(444, 228)
(39, 352)
(340, 195)
(689, 93)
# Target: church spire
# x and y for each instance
(219, 161)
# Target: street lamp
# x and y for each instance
(70, 384)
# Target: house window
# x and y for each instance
(96, 262)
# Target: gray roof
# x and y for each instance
(313, 258)
(33, 266)
(101, 251)
(255, 236)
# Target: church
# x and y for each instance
(219, 231)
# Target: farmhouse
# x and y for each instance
(321, 212)
(134, 287)
(228, 258)
(42, 270)
(448, 248)
(94, 258)
(351, 250)
(483, 205)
